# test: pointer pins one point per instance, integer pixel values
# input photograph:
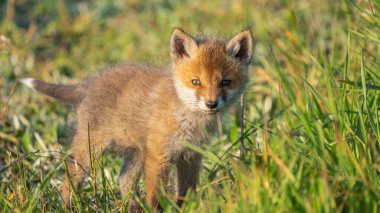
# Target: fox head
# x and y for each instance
(210, 73)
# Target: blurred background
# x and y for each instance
(311, 111)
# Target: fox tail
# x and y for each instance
(65, 93)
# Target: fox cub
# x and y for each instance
(147, 112)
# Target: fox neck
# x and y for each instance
(194, 127)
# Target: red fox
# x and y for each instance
(146, 112)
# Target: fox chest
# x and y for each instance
(191, 129)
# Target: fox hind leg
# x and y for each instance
(78, 167)
(129, 178)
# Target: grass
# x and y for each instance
(312, 109)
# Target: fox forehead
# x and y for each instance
(211, 54)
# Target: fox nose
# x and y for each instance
(211, 104)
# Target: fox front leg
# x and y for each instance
(156, 172)
(188, 167)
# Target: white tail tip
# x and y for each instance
(28, 82)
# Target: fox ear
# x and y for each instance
(182, 45)
(240, 47)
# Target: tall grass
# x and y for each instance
(312, 108)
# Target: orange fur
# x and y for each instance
(145, 112)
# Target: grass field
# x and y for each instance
(312, 108)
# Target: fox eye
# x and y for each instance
(196, 82)
(226, 82)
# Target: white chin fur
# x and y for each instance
(28, 82)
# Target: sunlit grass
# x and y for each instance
(312, 120)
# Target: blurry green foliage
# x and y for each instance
(312, 108)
